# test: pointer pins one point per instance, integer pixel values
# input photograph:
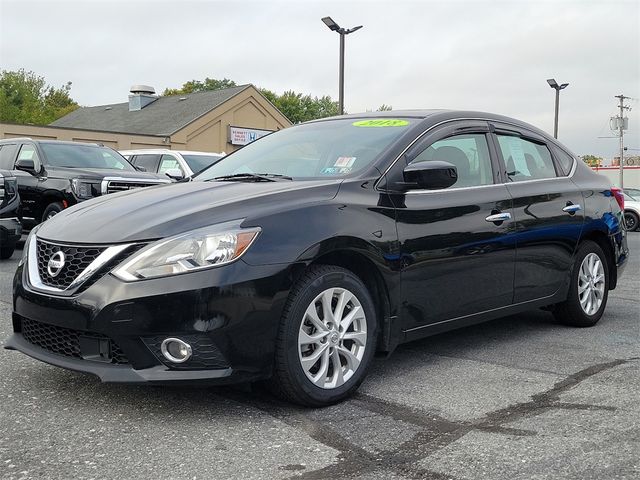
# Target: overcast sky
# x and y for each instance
(491, 56)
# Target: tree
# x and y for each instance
(295, 106)
(197, 86)
(26, 98)
(592, 160)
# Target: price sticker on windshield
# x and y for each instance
(381, 122)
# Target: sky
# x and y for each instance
(492, 56)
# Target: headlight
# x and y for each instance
(203, 248)
(84, 189)
(25, 248)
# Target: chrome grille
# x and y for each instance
(82, 265)
(114, 186)
(76, 260)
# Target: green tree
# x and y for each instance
(26, 98)
(200, 86)
(592, 160)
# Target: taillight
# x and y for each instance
(619, 196)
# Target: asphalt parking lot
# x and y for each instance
(517, 398)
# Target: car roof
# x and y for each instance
(61, 142)
(167, 150)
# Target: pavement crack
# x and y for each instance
(547, 400)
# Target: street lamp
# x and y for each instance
(334, 27)
(553, 84)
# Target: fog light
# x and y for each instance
(175, 350)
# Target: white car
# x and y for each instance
(174, 163)
(631, 212)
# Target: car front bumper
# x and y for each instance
(113, 329)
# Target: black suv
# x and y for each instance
(53, 175)
(10, 227)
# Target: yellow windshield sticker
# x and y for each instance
(381, 122)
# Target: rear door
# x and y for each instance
(456, 261)
(548, 214)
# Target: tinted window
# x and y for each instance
(8, 155)
(470, 155)
(83, 156)
(565, 161)
(168, 162)
(333, 148)
(198, 163)
(525, 160)
(147, 161)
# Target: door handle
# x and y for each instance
(572, 208)
(499, 217)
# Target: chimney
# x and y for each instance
(141, 96)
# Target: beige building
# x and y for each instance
(214, 121)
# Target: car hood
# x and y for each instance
(158, 212)
(100, 173)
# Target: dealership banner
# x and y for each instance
(243, 136)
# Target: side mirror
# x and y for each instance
(174, 173)
(429, 175)
(26, 165)
(139, 168)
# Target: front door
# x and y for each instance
(29, 183)
(456, 243)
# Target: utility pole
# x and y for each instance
(621, 128)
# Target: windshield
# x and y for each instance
(198, 163)
(83, 156)
(334, 148)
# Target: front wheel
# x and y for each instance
(52, 210)
(327, 338)
(589, 288)
(7, 251)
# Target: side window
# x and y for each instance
(148, 161)
(565, 161)
(525, 160)
(168, 162)
(28, 152)
(8, 155)
(470, 155)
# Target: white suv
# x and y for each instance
(165, 161)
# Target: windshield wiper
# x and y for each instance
(256, 177)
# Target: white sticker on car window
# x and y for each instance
(345, 162)
(517, 154)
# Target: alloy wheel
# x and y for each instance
(591, 284)
(332, 338)
(630, 221)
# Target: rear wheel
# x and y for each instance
(52, 210)
(326, 339)
(631, 220)
(589, 288)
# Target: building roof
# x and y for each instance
(163, 117)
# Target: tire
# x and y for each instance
(293, 382)
(586, 272)
(631, 220)
(51, 210)
(7, 251)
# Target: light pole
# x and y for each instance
(553, 84)
(333, 26)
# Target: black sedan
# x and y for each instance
(298, 257)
